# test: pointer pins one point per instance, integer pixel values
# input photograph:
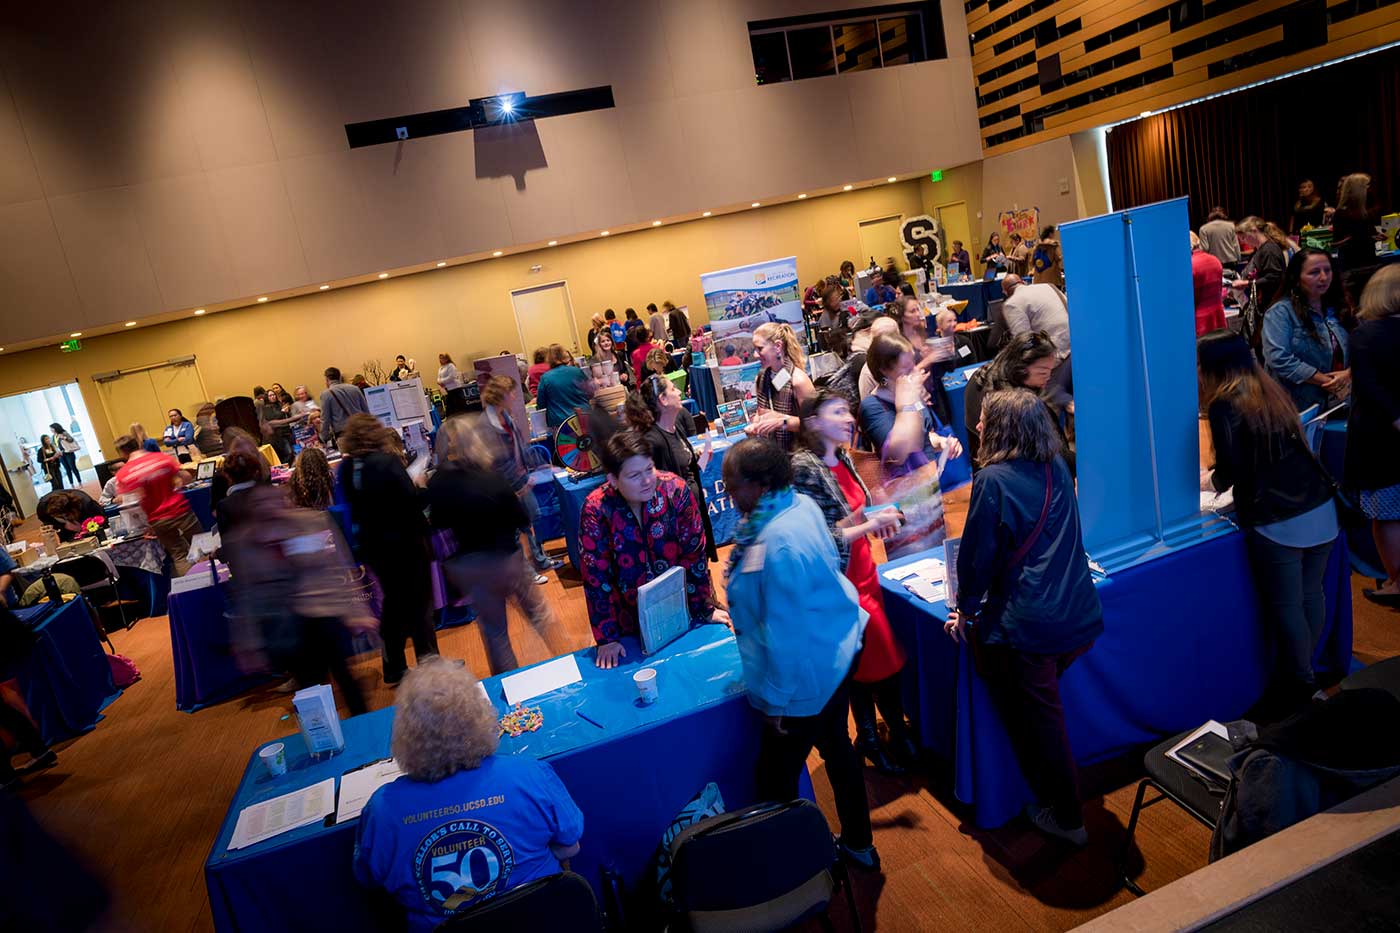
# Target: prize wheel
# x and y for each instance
(574, 446)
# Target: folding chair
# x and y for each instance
(98, 580)
(765, 868)
(557, 902)
(1172, 782)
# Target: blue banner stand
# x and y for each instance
(1134, 350)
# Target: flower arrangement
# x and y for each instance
(92, 525)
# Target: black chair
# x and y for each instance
(1172, 782)
(765, 868)
(1383, 675)
(558, 902)
(997, 321)
(98, 582)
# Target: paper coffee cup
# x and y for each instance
(645, 679)
(274, 759)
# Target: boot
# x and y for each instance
(868, 744)
(902, 743)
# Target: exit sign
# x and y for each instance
(935, 175)
(70, 346)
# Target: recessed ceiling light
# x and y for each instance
(324, 287)
(263, 298)
(129, 324)
(754, 204)
(604, 233)
(848, 188)
(383, 275)
(76, 333)
(496, 253)
(553, 242)
(199, 311)
(707, 214)
(656, 223)
(891, 178)
(1145, 113)
(441, 264)
(801, 196)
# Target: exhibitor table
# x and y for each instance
(65, 678)
(205, 669)
(978, 294)
(630, 778)
(1182, 643)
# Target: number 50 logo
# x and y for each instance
(461, 863)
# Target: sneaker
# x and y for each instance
(1043, 819)
(1380, 598)
(541, 579)
(866, 859)
(554, 564)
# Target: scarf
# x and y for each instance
(752, 524)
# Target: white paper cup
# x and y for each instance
(645, 679)
(274, 759)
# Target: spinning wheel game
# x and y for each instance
(575, 447)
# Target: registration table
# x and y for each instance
(205, 669)
(1183, 642)
(65, 679)
(630, 777)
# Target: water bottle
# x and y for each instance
(51, 588)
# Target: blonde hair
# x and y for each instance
(442, 724)
(1267, 228)
(1381, 297)
(778, 332)
(657, 357)
(496, 389)
(1195, 241)
(469, 439)
(1351, 192)
(138, 432)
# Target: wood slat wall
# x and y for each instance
(1098, 61)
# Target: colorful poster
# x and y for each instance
(1025, 221)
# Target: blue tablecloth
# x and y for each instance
(1182, 643)
(1365, 559)
(702, 389)
(629, 778)
(977, 294)
(205, 671)
(724, 518)
(199, 497)
(65, 680)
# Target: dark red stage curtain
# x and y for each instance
(1247, 151)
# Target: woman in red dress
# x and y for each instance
(822, 469)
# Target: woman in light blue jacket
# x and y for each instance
(799, 629)
(1304, 342)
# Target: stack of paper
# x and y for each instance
(356, 787)
(319, 719)
(923, 578)
(542, 678)
(280, 814)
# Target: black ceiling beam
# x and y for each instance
(476, 113)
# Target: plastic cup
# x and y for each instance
(274, 759)
(645, 679)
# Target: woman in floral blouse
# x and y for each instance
(635, 527)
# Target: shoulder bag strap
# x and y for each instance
(1034, 536)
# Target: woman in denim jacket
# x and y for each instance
(1305, 344)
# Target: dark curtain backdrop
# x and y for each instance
(1248, 151)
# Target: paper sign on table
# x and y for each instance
(356, 787)
(281, 814)
(541, 678)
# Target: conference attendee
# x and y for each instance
(823, 471)
(1025, 598)
(275, 419)
(522, 825)
(1283, 499)
(596, 326)
(311, 485)
(1310, 210)
(564, 389)
(945, 323)
(1047, 262)
(1026, 362)
(156, 479)
(902, 429)
(52, 459)
(832, 315)
(391, 537)
(993, 257)
(1036, 306)
(656, 323)
(812, 298)
(679, 325)
(339, 403)
(402, 370)
(1219, 237)
(657, 412)
(1304, 342)
(68, 448)
(236, 440)
(1354, 233)
(470, 497)
(1207, 282)
(657, 363)
(632, 322)
(65, 510)
(1264, 271)
(514, 464)
(913, 326)
(1018, 260)
(360, 382)
(615, 327)
(179, 435)
(148, 443)
(109, 492)
(604, 349)
(448, 378)
(640, 345)
(207, 437)
(538, 367)
(883, 290)
(798, 624)
(302, 402)
(636, 526)
(1373, 430)
(782, 385)
(881, 325)
(959, 255)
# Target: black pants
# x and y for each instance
(319, 651)
(781, 758)
(26, 735)
(70, 467)
(1026, 690)
(1289, 581)
(885, 693)
(407, 584)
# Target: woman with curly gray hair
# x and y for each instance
(462, 825)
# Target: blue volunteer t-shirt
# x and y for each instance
(473, 835)
(619, 332)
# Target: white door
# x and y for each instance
(544, 315)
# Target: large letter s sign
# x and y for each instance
(922, 229)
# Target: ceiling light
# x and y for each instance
(496, 253)
(656, 223)
(847, 188)
(801, 196)
(553, 242)
(199, 311)
(604, 233)
(129, 324)
(707, 214)
(754, 204)
(441, 264)
(1145, 113)
(324, 287)
(263, 298)
(76, 333)
(383, 275)
(891, 178)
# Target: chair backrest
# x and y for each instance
(997, 321)
(557, 902)
(88, 569)
(765, 868)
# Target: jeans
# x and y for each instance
(407, 582)
(887, 693)
(175, 534)
(494, 579)
(1025, 689)
(538, 557)
(1289, 581)
(70, 467)
(781, 757)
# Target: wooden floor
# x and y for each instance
(141, 797)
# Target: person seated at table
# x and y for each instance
(1304, 339)
(391, 536)
(782, 384)
(312, 486)
(524, 826)
(1283, 499)
(960, 256)
(893, 418)
(207, 437)
(66, 509)
(798, 624)
(636, 526)
(470, 497)
(15, 644)
(514, 464)
(883, 291)
(1026, 362)
(822, 470)
(564, 389)
(1026, 602)
(829, 313)
(605, 349)
(657, 411)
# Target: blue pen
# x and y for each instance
(581, 715)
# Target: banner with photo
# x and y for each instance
(739, 300)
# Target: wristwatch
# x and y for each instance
(912, 408)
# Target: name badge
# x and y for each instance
(964, 351)
(780, 379)
(753, 559)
